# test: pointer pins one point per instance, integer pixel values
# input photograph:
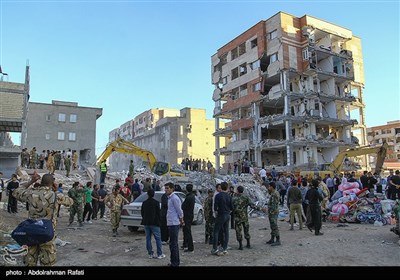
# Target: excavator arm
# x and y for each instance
(122, 146)
(336, 165)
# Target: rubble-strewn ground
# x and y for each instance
(93, 245)
(353, 245)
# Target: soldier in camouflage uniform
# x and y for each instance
(42, 203)
(76, 193)
(273, 211)
(208, 216)
(115, 201)
(240, 204)
(32, 158)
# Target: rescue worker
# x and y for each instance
(76, 193)
(67, 164)
(115, 201)
(209, 217)
(103, 171)
(32, 158)
(43, 201)
(241, 203)
(273, 211)
(50, 163)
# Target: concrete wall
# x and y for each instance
(43, 119)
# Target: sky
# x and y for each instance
(130, 56)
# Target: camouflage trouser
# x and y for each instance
(209, 228)
(78, 210)
(44, 253)
(238, 229)
(32, 164)
(273, 222)
(115, 218)
(51, 168)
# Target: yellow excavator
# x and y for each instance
(122, 146)
(337, 165)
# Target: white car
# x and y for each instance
(131, 213)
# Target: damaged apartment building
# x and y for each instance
(291, 92)
(170, 134)
(14, 98)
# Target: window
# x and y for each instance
(224, 80)
(61, 117)
(234, 53)
(72, 118)
(242, 49)
(235, 73)
(256, 87)
(72, 136)
(253, 43)
(274, 57)
(243, 69)
(48, 118)
(272, 35)
(190, 143)
(223, 59)
(306, 54)
(60, 135)
(47, 136)
(255, 65)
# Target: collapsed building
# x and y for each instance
(291, 90)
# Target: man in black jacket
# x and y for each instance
(187, 208)
(151, 220)
(164, 228)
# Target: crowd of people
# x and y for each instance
(228, 204)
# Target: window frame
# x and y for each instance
(63, 135)
(71, 120)
(60, 119)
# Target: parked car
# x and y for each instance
(131, 213)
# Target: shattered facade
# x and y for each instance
(171, 135)
(292, 92)
(61, 126)
(390, 133)
(14, 99)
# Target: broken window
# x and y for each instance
(235, 93)
(253, 43)
(235, 73)
(272, 35)
(242, 49)
(243, 69)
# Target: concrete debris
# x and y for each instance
(60, 242)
